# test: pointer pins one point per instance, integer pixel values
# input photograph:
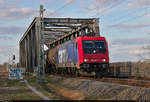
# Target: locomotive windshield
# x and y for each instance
(93, 46)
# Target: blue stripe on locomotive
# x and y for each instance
(70, 50)
(67, 53)
(76, 54)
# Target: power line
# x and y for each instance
(133, 18)
(66, 4)
(112, 6)
(124, 16)
(129, 19)
(98, 10)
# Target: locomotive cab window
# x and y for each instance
(93, 46)
(88, 44)
(100, 44)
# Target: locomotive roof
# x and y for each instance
(91, 38)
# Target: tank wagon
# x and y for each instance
(83, 55)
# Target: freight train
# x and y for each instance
(83, 55)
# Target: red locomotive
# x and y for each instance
(82, 55)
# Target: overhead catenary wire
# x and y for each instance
(124, 17)
(129, 19)
(62, 7)
(133, 18)
(112, 6)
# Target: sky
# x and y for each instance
(124, 23)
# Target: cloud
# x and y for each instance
(6, 30)
(125, 53)
(145, 17)
(7, 51)
(7, 4)
(5, 38)
(129, 41)
(127, 27)
(136, 51)
(69, 1)
(16, 13)
(103, 6)
(127, 49)
(138, 4)
(13, 11)
(50, 13)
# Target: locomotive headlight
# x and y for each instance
(85, 60)
(104, 60)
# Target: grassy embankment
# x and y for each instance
(15, 90)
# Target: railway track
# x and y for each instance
(145, 83)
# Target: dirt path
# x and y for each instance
(36, 91)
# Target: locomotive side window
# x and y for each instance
(94, 46)
(76, 46)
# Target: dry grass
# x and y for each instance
(75, 89)
(21, 94)
(15, 90)
(44, 89)
(68, 93)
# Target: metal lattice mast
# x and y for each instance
(41, 59)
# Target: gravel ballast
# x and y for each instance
(103, 90)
